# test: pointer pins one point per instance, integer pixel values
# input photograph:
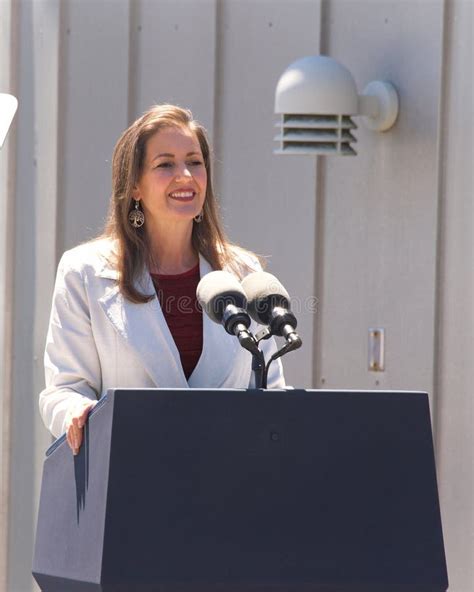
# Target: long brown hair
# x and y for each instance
(208, 237)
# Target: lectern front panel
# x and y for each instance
(267, 490)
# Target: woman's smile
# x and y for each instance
(183, 194)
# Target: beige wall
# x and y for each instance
(7, 188)
(383, 239)
(377, 251)
(455, 318)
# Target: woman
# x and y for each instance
(124, 308)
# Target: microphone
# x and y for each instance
(269, 304)
(224, 301)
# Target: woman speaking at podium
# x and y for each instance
(124, 310)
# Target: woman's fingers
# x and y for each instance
(75, 430)
(74, 438)
(81, 420)
(69, 439)
(77, 434)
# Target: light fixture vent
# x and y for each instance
(315, 134)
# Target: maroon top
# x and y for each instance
(182, 312)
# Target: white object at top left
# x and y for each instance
(8, 107)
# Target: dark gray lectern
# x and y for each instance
(244, 491)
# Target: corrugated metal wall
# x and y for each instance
(384, 239)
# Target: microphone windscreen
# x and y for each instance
(218, 289)
(264, 292)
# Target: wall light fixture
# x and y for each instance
(317, 97)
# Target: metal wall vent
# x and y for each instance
(315, 134)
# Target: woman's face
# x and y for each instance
(174, 179)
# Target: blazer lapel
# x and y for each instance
(144, 328)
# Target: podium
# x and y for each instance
(244, 491)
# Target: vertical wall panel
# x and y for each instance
(24, 407)
(455, 442)
(8, 67)
(174, 47)
(46, 17)
(95, 79)
(268, 200)
(380, 222)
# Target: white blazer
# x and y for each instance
(99, 340)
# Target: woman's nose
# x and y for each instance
(183, 171)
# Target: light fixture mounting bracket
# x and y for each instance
(379, 105)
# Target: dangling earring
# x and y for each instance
(199, 217)
(136, 216)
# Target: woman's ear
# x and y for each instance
(136, 193)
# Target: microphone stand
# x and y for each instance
(258, 370)
(236, 322)
(248, 342)
(293, 341)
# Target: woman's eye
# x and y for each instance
(169, 165)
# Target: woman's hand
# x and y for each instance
(75, 422)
